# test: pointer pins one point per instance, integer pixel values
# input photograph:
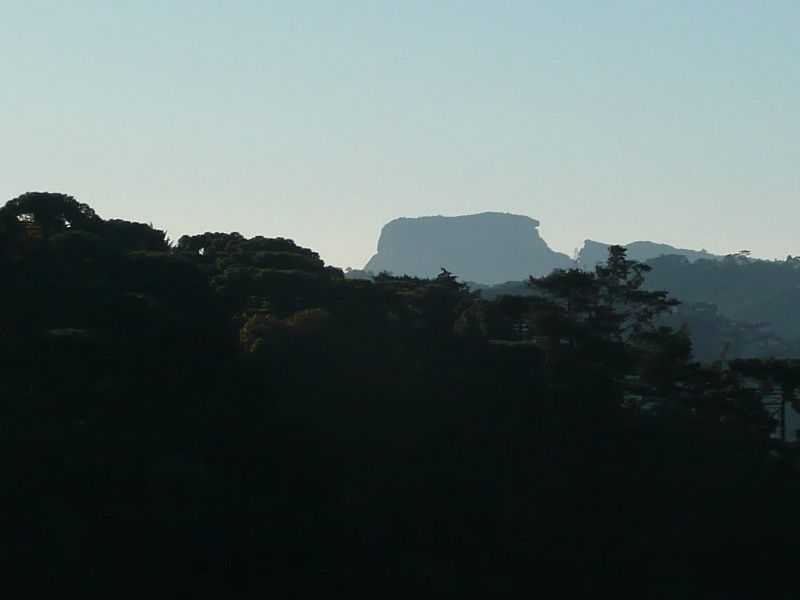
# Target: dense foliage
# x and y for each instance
(759, 297)
(736, 307)
(230, 415)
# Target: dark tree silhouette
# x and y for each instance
(232, 416)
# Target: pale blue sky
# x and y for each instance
(668, 120)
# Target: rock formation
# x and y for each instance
(486, 248)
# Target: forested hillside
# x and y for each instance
(232, 416)
(735, 307)
(744, 289)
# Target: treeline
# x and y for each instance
(735, 307)
(759, 297)
(233, 416)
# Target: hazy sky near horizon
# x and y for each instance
(675, 121)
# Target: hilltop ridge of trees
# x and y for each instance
(230, 415)
(734, 306)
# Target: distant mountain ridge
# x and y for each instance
(490, 247)
(594, 253)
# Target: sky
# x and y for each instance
(320, 121)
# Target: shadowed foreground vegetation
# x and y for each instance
(229, 415)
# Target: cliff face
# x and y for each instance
(485, 248)
(593, 253)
